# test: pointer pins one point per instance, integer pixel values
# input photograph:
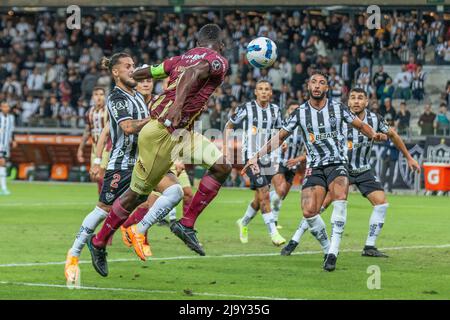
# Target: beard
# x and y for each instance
(320, 97)
(130, 83)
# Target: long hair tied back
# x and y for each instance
(109, 63)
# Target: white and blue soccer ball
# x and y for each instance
(261, 52)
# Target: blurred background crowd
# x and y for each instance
(48, 72)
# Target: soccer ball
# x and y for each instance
(261, 52)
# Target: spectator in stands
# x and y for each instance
(66, 114)
(89, 82)
(299, 77)
(29, 108)
(388, 111)
(402, 119)
(418, 83)
(336, 85)
(275, 77)
(286, 69)
(49, 75)
(35, 81)
(403, 82)
(379, 80)
(12, 86)
(54, 108)
(375, 107)
(442, 122)
(426, 121)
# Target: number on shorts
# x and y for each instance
(115, 180)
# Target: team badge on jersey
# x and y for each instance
(216, 65)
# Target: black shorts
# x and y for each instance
(288, 174)
(115, 183)
(367, 182)
(260, 175)
(323, 176)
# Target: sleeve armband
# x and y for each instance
(157, 71)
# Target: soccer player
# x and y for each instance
(128, 114)
(321, 123)
(96, 119)
(6, 139)
(194, 76)
(291, 161)
(361, 172)
(261, 121)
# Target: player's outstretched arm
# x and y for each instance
(271, 145)
(86, 135)
(95, 169)
(368, 131)
(133, 126)
(398, 142)
(156, 71)
(187, 79)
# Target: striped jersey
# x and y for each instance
(359, 146)
(96, 118)
(6, 132)
(259, 125)
(294, 147)
(124, 106)
(322, 132)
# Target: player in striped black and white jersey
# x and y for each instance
(6, 139)
(361, 172)
(261, 120)
(292, 160)
(321, 125)
(128, 113)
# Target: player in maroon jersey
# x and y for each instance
(193, 77)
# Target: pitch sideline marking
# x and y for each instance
(49, 285)
(11, 265)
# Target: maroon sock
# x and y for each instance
(186, 205)
(99, 185)
(207, 191)
(115, 218)
(136, 217)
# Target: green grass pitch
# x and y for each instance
(38, 223)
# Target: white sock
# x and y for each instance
(249, 215)
(168, 200)
(318, 230)
(270, 222)
(338, 219)
(376, 223)
(302, 227)
(3, 179)
(173, 214)
(88, 226)
(275, 204)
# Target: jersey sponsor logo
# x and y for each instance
(323, 136)
(350, 145)
(193, 57)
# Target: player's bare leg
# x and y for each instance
(250, 213)
(311, 200)
(338, 190)
(376, 222)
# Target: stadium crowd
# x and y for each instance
(48, 72)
